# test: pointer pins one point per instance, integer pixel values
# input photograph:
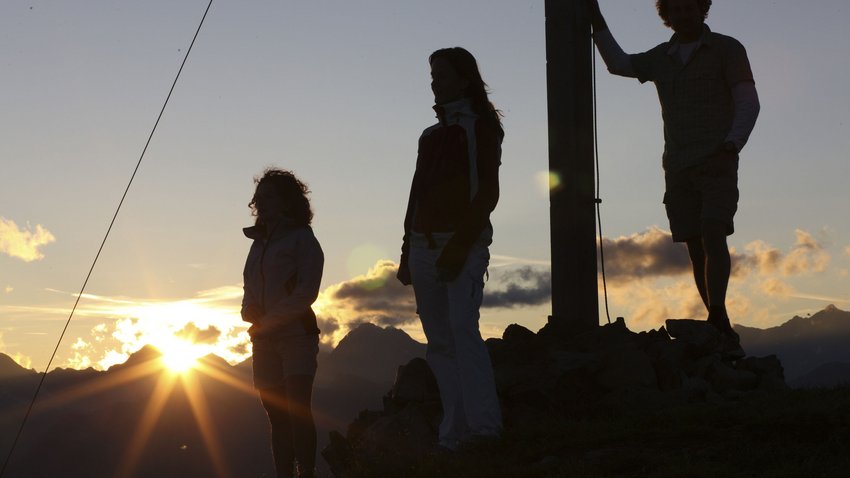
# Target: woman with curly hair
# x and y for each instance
(447, 233)
(282, 277)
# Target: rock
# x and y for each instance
(555, 375)
(769, 370)
(566, 360)
(414, 383)
(337, 453)
(626, 367)
(397, 439)
(517, 332)
(724, 378)
(639, 400)
(700, 337)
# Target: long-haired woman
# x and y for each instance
(447, 233)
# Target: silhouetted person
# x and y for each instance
(709, 105)
(282, 277)
(447, 232)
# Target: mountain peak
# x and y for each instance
(10, 368)
(374, 352)
(143, 355)
(803, 343)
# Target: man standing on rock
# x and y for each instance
(709, 106)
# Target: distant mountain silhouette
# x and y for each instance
(373, 353)
(145, 354)
(803, 343)
(10, 369)
(88, 420)
(828, 375)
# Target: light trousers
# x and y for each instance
(456, 352)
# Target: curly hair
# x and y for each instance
(291, 189)
(465, 65)
(661, 6)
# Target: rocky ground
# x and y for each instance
(611, 402)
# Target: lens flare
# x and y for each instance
(547, 182)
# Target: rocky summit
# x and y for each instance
(559, 374)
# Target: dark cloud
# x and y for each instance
(376, 297)
(240, 348)
(648, 254)
(653, 253)
(192, 333)
(328, 325)
(522, 287)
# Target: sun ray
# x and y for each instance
(100, 384)
(149, 418)
(225, 378)
(200, 410)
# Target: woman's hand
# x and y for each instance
(403, 274)
(252, 313)
(451, 262)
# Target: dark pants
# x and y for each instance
(292, 428)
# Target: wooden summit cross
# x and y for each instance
(572, 194)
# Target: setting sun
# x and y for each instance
(180, 356)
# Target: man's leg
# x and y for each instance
(718, 267)
(718, 264)
(697, 255)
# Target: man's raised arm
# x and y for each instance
(617, 61)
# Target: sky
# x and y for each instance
(339, 92)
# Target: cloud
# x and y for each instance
(22, 360)
(8, 289)
(209, 323)
(498, 261)
(847, 250)
(23, 244)
(525, 286)
(773, 287)
(807, 256)
(80, 359)
(651, 253)
(648, 304)
(194, 334)
(375, 297)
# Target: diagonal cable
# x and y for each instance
(102, 244)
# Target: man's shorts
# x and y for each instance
(694, 195)
(277, 358)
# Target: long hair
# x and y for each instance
(292, 190)
(661, 6)
(465, 65)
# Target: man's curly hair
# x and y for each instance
(661, 6)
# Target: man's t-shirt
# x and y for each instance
(696, 97)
